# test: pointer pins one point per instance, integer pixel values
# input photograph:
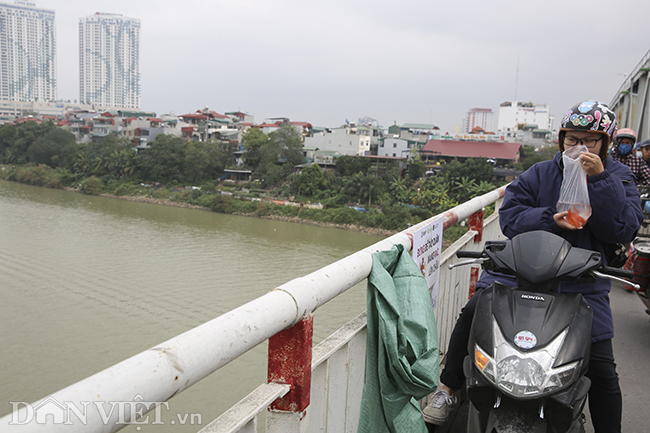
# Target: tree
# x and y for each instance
(253, 141)
(279, 155)
(310, 181)
(399, 190)
(289, 142)
(122, 163)
(531, 156)
(207, 160)
(163, 160)
(464, 188)
(473, 168)
(200, 161)
(350, 187)
(49, 148)
(7, 138)
(416, 167)
(349, 165)
(24, 135)
(104, 147)
(366, 188)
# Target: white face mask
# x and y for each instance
(639, 154)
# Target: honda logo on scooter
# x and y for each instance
(533, 297)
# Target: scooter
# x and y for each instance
(529, 345)
(639, 264)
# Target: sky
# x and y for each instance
(328, 61)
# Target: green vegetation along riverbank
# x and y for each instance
(377, 195)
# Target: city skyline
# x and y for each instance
(327, 61)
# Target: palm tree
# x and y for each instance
(399, 190)
(366, 187)
(464, 188)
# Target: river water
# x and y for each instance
(87, 282)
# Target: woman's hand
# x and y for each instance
(591, 163)
(562, 223)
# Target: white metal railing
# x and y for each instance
(336, 366)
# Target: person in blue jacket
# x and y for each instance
(530, 204)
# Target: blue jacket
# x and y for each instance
(529, 204)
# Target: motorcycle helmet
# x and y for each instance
(644, 143)
(590, 116)
(625, 148)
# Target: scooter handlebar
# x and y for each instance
(617, 272)
(469, 254)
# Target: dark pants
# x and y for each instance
(605, 399)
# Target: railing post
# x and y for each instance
(476, 224)
(289, 362)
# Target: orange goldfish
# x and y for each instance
(574, 219)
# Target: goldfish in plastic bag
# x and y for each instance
(574, 219)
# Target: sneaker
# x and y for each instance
(440, 403)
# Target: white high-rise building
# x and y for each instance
(481, 117)
(27, 53)
(515, 115)
(109, 60)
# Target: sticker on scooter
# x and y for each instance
(525, 340)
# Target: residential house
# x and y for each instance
(209, 125)
(401, 140)
(267, 128)
(346, 140)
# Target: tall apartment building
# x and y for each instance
(481, 117)
(28, 52)
(109, 60)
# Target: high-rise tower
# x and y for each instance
(481, 117)
(28, 52)
(109, 60)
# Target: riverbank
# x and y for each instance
(151, 200)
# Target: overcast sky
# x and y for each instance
(408, 61)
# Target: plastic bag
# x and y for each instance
(574, 195)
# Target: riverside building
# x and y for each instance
(28, 47)
(109, 60)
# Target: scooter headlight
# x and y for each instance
(525, 374)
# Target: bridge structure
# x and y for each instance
(631, 103)
(309, 389)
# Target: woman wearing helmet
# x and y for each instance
(530, 204)
(623, 151)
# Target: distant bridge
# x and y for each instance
(632, 100)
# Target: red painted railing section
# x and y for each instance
(476, 223)
(290, 363)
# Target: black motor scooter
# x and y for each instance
(529, 345)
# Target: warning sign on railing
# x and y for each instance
(427, 249)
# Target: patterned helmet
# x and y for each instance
(590, 116)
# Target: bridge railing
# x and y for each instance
(627, 82)
(309, 389)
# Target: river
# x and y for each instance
(89, 281)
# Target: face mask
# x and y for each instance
(639, 154)
(624, 148)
